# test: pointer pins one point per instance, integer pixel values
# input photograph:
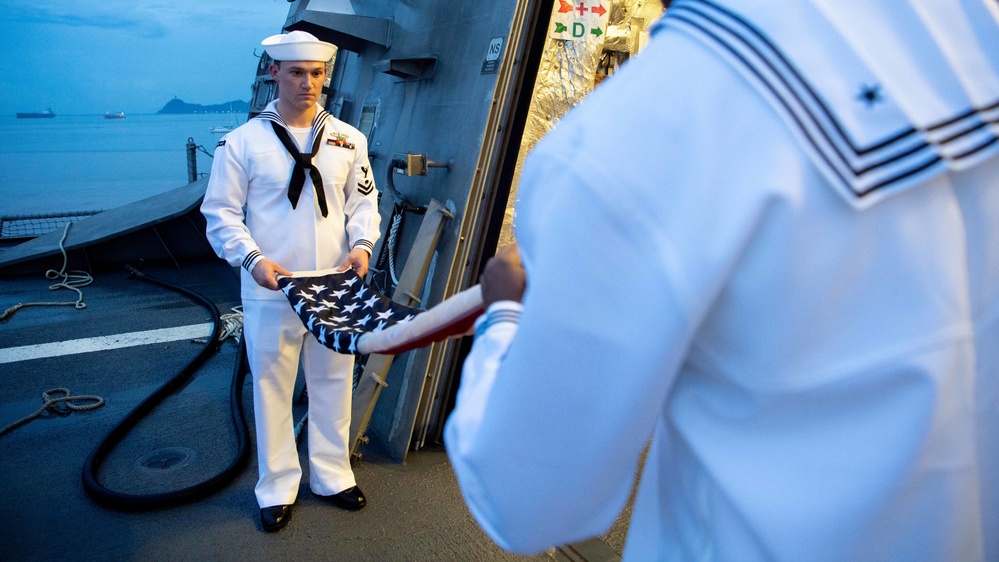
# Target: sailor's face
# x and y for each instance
(299, 82)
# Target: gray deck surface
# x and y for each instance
(415, 509)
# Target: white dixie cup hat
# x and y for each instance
(298, 45)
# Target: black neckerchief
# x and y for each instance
(303, 161)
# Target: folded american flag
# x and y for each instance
(348, 316)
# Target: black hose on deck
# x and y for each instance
(97, 457)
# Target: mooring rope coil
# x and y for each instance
(50, 403)
(232, 326)
(72, 280)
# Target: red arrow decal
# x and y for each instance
(599, 10)
(564, 7)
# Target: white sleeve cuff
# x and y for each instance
(251, 259)
(505, 314)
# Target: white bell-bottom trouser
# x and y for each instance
(275, 338)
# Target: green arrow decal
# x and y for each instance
(559, 28)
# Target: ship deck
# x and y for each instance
(415, 510)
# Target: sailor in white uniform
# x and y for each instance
(310, 204)
(767, 248)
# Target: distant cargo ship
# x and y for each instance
(40, 115)
(114, 115)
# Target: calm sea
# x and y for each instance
(75, 163)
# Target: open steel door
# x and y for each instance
(451, 95)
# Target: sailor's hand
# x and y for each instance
(503, 278)
(357, 260)
(265, 270)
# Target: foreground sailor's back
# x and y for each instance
(770, 243)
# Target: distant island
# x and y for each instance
(177, 105)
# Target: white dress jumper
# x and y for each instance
(767, 248)
(251, 171)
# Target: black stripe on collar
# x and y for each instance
(906, 154)
(317, 122)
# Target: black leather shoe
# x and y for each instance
(275, 517)
(351, 498)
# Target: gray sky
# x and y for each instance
(89, 56)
